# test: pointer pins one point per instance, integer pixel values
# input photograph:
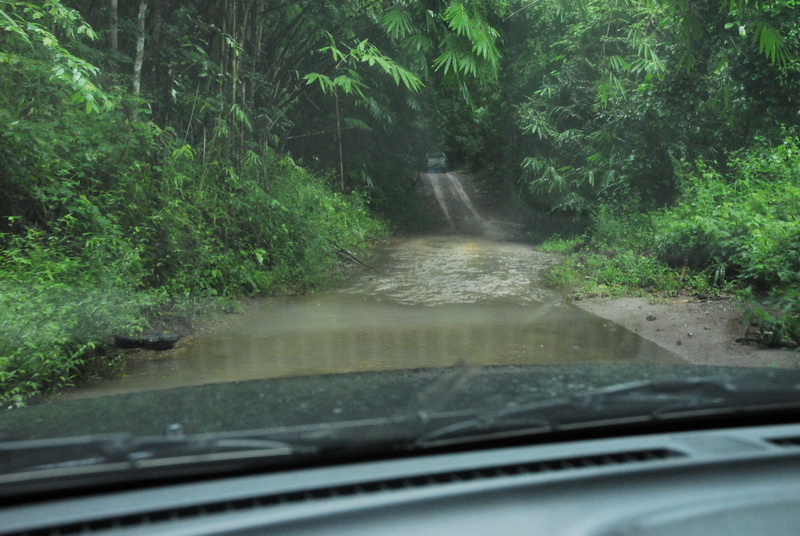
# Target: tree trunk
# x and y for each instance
(113, 26)
(137, 63)
(159, 71)
(234, 63)
(339, 136)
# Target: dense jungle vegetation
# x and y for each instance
(158, 154)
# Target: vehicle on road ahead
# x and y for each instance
(436, 161)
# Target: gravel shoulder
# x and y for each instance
(702, 332)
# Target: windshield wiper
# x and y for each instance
(52, 460)
(621, 405)
(37, 465)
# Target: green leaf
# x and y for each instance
(770, 43)
(357, 124)
(397, 22)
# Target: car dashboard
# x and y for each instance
(732, 481)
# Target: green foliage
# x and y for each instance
(562, 245)
(746, 220)
(629, 272)
(617, 229)
(737, 231)
(617, 258)
(611, 100)
(349, 80)
(743, 228)
(57, 307)
(111, 223)
(614, 101)
(31, 50)
(586, 117)
(157, 236)
(776, 317)
(470, 48)
(265, 226)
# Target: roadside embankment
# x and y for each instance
(703, 332)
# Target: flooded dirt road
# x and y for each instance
(466, 295)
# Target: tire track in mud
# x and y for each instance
(453, 201)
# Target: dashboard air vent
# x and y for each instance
(361, 488)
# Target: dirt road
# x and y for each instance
(703, 332)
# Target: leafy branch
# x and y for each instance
(350, 80)
(25, 27)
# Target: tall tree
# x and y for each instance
(113, 26)
(140, 38)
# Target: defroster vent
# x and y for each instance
(361, 488)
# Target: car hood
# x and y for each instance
(294, 422)
(310, 400)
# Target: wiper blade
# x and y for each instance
(46, 464)
(619, 405)
(64, 458)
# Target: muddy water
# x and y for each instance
(432, 301)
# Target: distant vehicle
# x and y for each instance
(437, 161)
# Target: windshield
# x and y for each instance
(268, 229)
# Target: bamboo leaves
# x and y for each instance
(27, 33)
(770, 43)
(471, 47)
(397, 22)
(350, 80)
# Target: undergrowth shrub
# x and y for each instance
(625, 272)
(745, 223)
(268, 226)
(615, 229)
(562, 245)
(56, 309)
(737, 231)
(89, 250)
(618, 256)
(743, 228)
